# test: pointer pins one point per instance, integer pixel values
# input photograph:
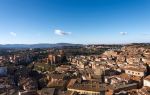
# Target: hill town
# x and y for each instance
(76, 70)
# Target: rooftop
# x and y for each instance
(136, 69)
(147, 78)
(89, 86)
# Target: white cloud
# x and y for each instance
(13, 34)
(123, 33)
(61, 33)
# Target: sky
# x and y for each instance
(74, 21)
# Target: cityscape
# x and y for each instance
(74, 47)
(76, 70)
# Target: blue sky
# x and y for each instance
(74, 21)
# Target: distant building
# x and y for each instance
(56, 58)
(86, 88)
(56, 81)
(27, 92)
(51, 59)
(136, 70)
(146, 81)
(118, 87)
(143, 91)
(28, 84)
(47, 91)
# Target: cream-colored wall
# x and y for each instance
(135, 73)
(146, 83)
(85, 92)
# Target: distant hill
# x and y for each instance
(37, 45)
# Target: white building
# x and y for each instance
(146, 81)
(135, 70)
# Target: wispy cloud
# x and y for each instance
(123, 33)
(13, 34)
(61, 33)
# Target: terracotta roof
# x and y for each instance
(123, 76)
(128, 77)
(136, 69)
(89, 86)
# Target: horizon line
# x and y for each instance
(76, 43)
